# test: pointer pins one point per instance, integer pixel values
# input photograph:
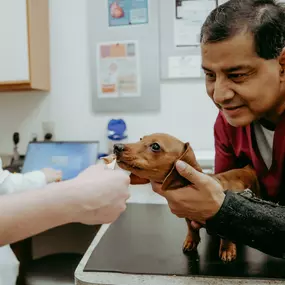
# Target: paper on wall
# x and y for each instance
(118, 70)
(184, 66)
(190, 16)
(186, 34)
(127, 12)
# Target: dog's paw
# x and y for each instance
(228, 251)
(190, 245)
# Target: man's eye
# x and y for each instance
(155, 147)
(237, 75)
(210, 76)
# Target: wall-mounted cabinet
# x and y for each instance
(24, 48)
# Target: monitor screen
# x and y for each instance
(69, 157)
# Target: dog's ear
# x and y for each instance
(135, 180)
(174, 180)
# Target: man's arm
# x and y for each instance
(249, 220)
(239, 217)
(244, 219)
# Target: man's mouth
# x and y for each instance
(232, 108)
(233, 111)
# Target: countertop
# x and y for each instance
(144, 194)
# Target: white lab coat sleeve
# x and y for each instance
(11, 183)
(9, 266)
(16, 182)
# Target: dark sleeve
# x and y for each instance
(244, 218)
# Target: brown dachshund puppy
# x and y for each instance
(153, 159)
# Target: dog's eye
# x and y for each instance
(155, 147)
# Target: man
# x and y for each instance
(243, 57)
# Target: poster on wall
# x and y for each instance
(118, 70)
(127, 12)
(184, 66)
(189, 18)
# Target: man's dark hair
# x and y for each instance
(264, 19)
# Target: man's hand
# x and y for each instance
(198, 202)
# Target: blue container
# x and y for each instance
(116, 133)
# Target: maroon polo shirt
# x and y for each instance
(236, 147)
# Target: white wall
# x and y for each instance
(186, 111)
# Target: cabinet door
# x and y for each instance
(14, 50)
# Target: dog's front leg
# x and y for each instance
(192, 239)
(228, 251)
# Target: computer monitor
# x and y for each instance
(69, 157)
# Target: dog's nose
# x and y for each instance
(119, 147)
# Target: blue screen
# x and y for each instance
(69, 157)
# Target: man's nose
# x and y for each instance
(222, 93)
(118, 148)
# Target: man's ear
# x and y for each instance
(282, 65)
(174, 180)
(135, 180)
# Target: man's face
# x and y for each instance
(244, 86)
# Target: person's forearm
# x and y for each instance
(25, 214)
(251, 221)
